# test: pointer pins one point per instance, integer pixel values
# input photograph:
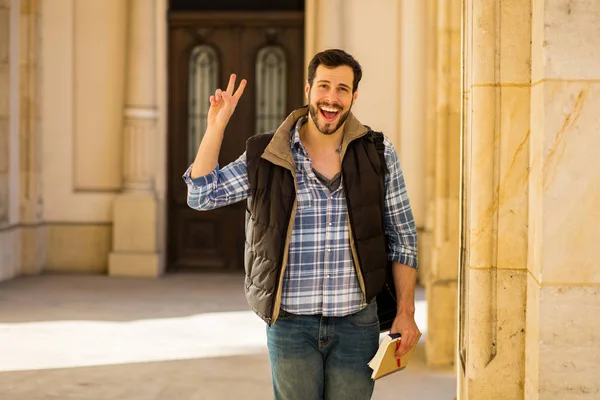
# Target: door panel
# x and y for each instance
(215, 239)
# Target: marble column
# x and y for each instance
(33, 234)
(563, 272)
(4, 108)
(323, 28)
(440, 239)
(411, 141)
(494, 212)
(135, 232)
(426, 236)
(10, 256)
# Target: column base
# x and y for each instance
(33, 249)
(136, 251)
(440, 345)
(135, 264)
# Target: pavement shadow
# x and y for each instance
(57, 297)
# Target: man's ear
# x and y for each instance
(307, 90)
(355, 95)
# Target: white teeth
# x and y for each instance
(329, 109)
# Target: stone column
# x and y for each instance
(426, 236)
(33, 233)
(563, 280)
(4, 108)
(411, 141)
(443, 169)
(494, 241)
(10, 257)
(135, 237)
(322, 28)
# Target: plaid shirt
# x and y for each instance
(320, 277)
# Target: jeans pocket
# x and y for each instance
(365, 318)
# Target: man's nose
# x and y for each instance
(331, 97)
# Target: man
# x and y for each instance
(324, 217)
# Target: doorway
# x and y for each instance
(204, 48)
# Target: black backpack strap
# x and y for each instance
(386, 298)
(377, 139)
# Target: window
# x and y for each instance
(204, 68)
(271, 68)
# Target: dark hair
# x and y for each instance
(334, 58)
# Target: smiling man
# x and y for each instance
(328, 220)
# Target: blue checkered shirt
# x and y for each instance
(320, 277)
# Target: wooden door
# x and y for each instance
(232, 43)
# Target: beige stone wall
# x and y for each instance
(31, 201)
(496, 129)
(82, 107)
(530, 275)
(66, 242)
(99, 45)
(440, 244)
(160, 149)
(411, 111)
(331, 24)
(10, 232)
(58, 185)
(4, 108)
(563, 273)
(136, 250)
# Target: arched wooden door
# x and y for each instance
(267, 49)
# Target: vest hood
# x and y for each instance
(279, 152)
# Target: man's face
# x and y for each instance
(330, 97)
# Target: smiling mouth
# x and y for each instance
(329, 113)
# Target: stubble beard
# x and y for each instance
(326, 129)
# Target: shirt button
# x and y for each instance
(327, 276)
(330, 224)
(329, 250)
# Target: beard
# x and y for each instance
(325, 127)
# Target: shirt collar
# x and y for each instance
(295, 137)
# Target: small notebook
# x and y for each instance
(385, 361)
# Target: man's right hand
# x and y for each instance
(223, 103)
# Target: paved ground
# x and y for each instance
(182, 337)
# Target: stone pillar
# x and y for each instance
(10, 256)
(135, 235)
(411, 140)
(33, 233)
(493, 238)
(563, 281)
(4, 109)
(322, 28)
(426, 236)
(440, 244)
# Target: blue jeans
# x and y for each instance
(315, 357)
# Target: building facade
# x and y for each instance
(493, 106)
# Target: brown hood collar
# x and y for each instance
(280, 147)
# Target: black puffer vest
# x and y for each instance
(271, 212)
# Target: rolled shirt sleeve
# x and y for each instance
(220, 187)
(400, 225)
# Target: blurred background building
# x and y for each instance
(493, 106)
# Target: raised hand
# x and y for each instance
(223, 104)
